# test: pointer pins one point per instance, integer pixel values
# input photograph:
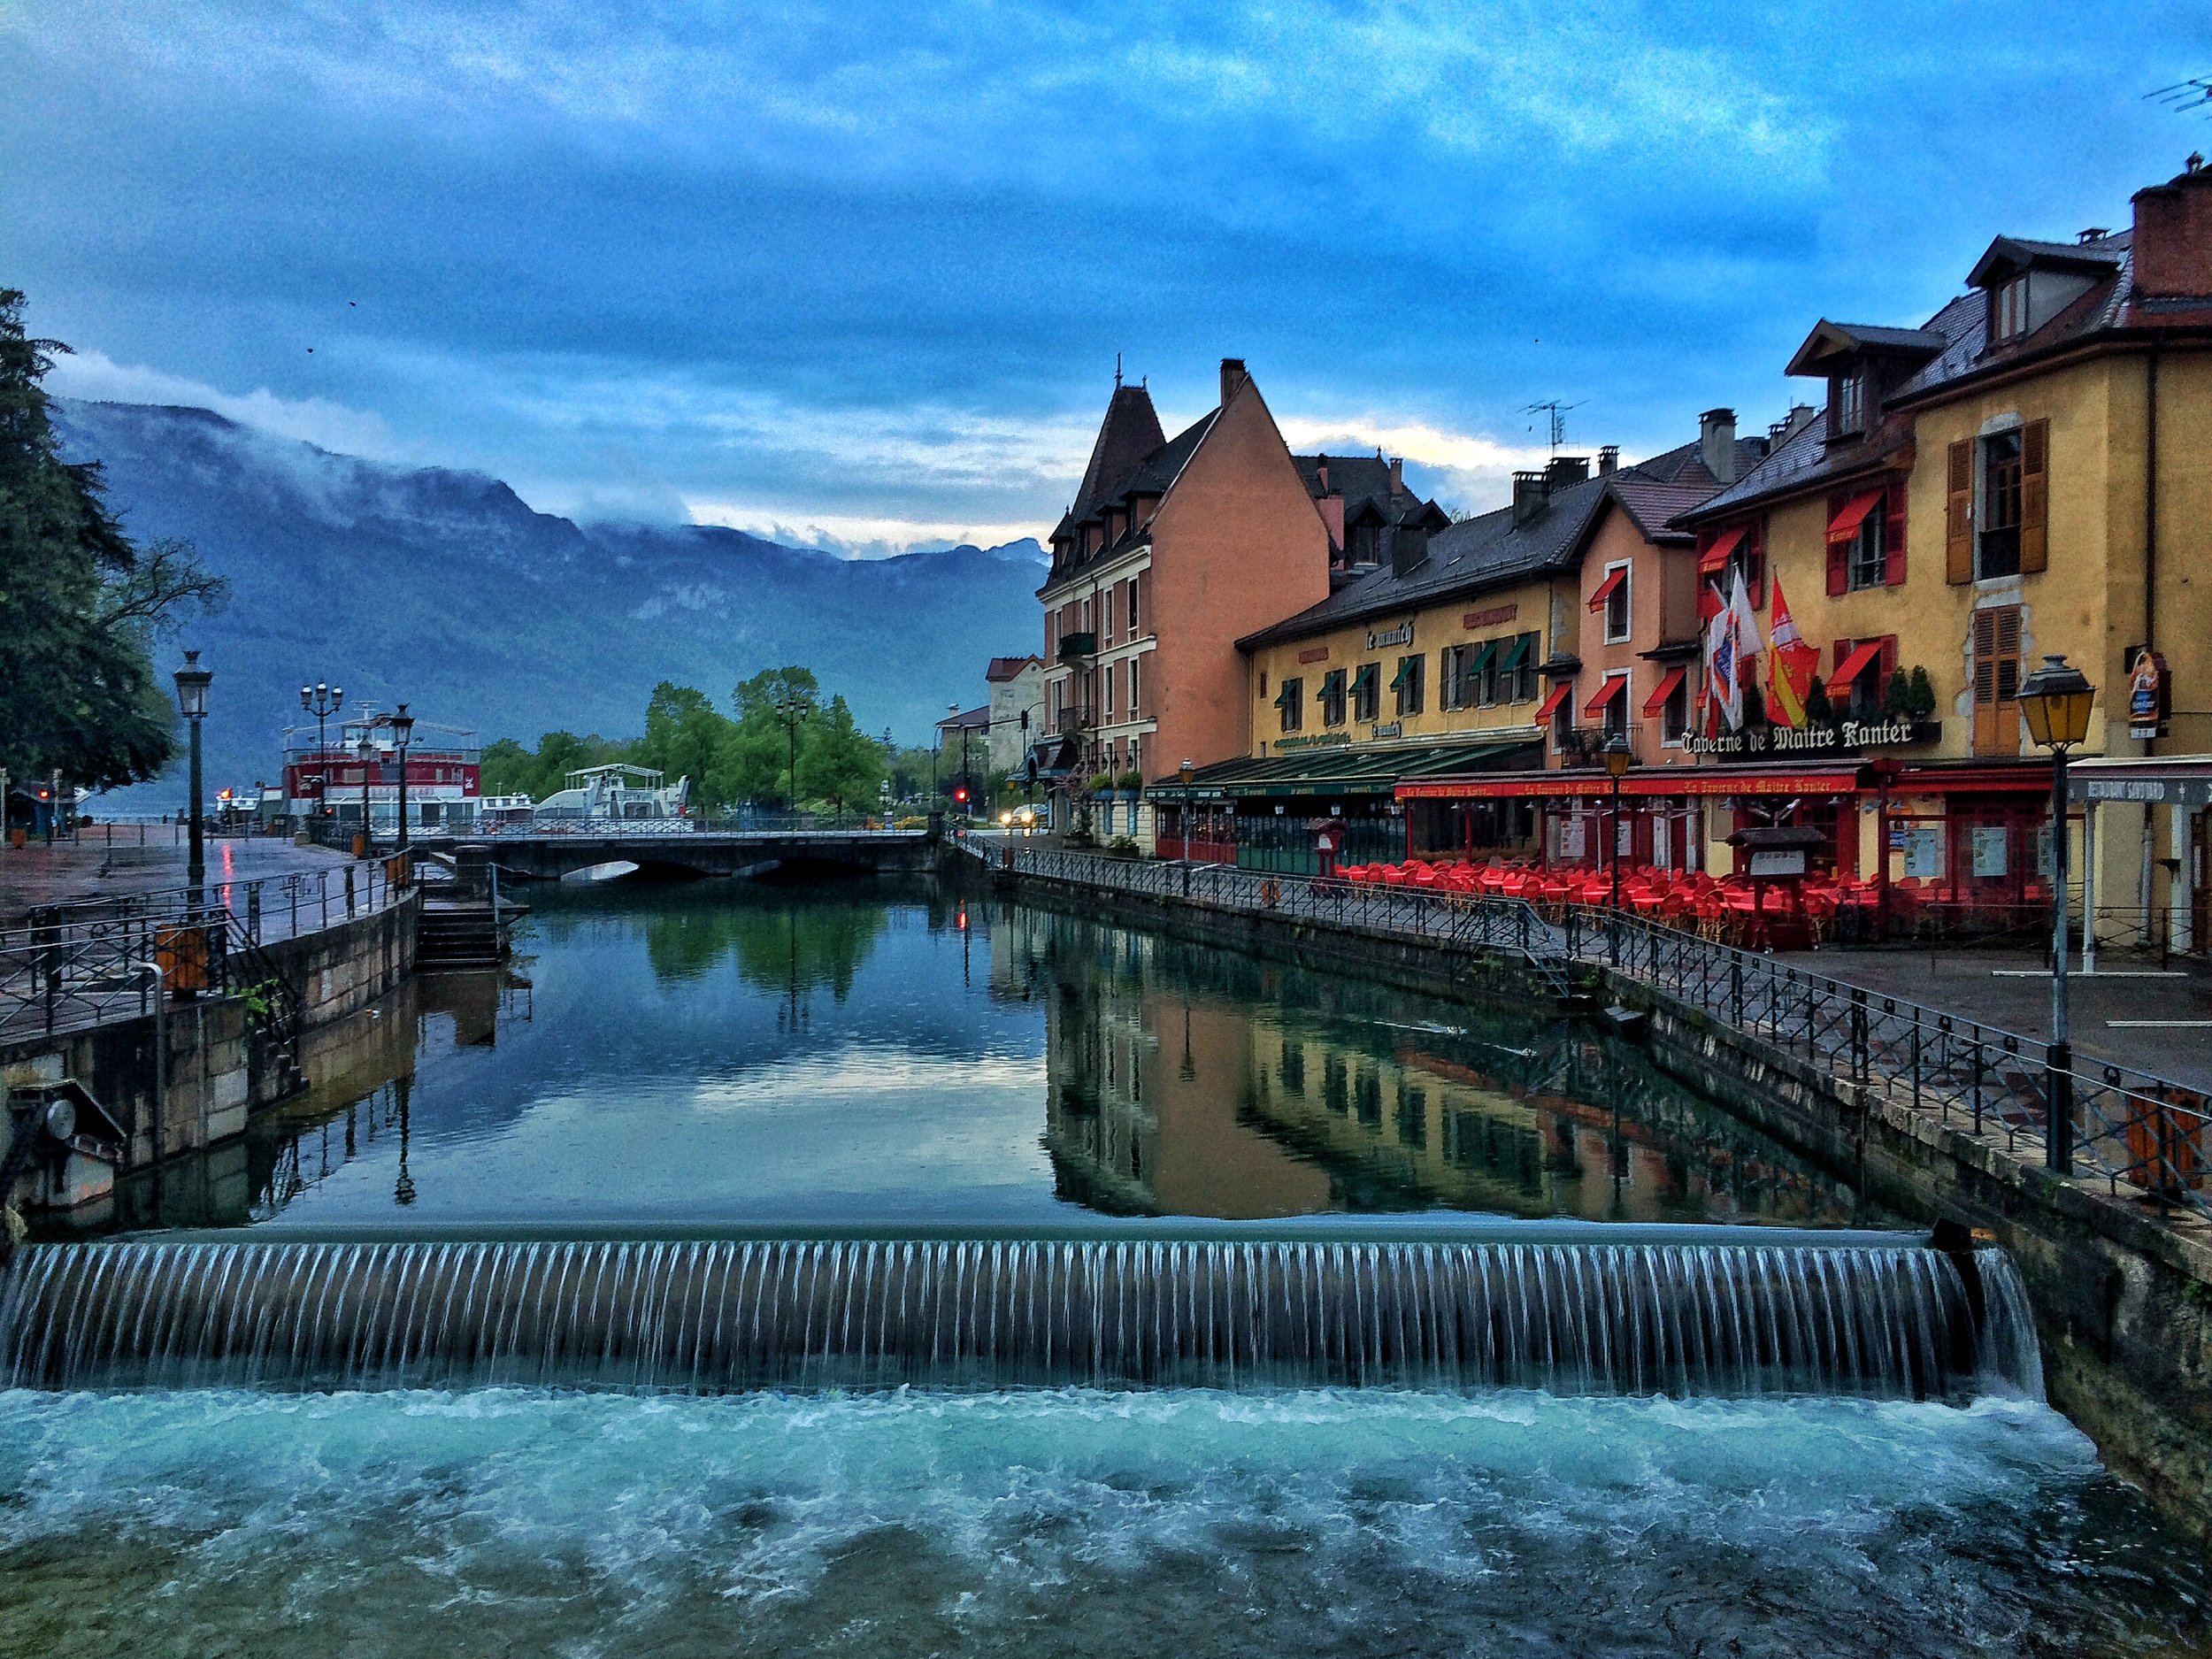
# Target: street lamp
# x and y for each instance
(1617, 758)
(367, 750)
(192, 700)
(2056, 699)
(791, 705)
(403, 733)
(322, 700)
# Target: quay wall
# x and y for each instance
(2123, 1297)
(200, 1092)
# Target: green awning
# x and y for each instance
(1288, 694)
(1344, 770)
(1332, 686)
(1512, 658)
(1366, 677)
(1408, 666)
(1482, 657)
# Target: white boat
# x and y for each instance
(639, 799)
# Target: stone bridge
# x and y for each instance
(537, 858)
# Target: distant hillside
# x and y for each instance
(444, 588)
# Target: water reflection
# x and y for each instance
(725, 1056)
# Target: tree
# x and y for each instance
(81, 606)
(685, 735)
(840, 763)
(765, 746)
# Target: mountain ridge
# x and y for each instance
(443, 587)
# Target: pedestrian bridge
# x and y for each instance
(539, 856)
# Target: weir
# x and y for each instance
(1681, 1318)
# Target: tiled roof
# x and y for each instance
(1009, 668)
(974, 719)
(1152, 474)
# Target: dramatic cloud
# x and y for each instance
(865, 268)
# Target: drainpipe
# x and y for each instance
(2145, 890)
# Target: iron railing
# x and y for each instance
(2136, 1131)
(267, 909)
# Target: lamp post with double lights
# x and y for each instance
(322, 700)
(402, 733)
(1616, 759)
(367, 750)
(2056, 700)
(791, 705)
(192, 701)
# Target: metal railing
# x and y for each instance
(267, 909)
(2136, 1131)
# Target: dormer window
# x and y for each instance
(1846, 397)
(1365, 543)
(2008, 309)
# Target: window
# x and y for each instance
(1997, 549)
(1617, 710)
(1674, 714)
(1133, 674)
(1290, 703)
(1407, 686)
(1524, 669)
(1997, 681)
(1367, 692)
(1869, 556)
(1862, 698)
(1331, 698)
(1847, 395)
(1113, 674)
(1617, 605)
(1451, 678)
(1365, 541)
(1133, 607)
(2008, 309)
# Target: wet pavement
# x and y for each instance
(108, 861)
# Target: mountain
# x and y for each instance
(445, 590)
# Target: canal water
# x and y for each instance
(693, 1063)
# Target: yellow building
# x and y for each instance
(2018, 477)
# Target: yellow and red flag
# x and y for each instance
(1790, 665)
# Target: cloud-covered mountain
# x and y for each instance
(445, 590)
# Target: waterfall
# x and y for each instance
(1641, 1318)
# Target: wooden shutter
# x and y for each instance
(1887, 663)
(1958, 516)
(2035, 496)
(1997, 681)
(1839, 554)
(1893, 533)
(1985, 679)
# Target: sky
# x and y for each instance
(857, 274)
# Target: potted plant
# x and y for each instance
(1132, 785)
(1102, 783)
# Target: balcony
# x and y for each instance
(1075, 647)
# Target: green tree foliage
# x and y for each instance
(81, 606)
(507, 768)
(838, 764)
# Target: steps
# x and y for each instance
(453, 933)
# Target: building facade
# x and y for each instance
(1171, 551)
(1015, 708)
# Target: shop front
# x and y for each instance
(2166, 802)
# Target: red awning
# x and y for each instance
(1716, 557)
(1614, 685)
(1606, 588)
(1845, 524)
(1657, 700)
(1643, 780)
(1850, 668)
(1559, 694)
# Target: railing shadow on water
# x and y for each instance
(2145, 1136)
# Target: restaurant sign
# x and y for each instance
(1319, 739)
(1845, 737)
(1382, 639)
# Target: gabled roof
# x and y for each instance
(1829, 340)
(973, 719)
(1152, 474)
(2008, 254)
(1130, 432)
(1003, 668)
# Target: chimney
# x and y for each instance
(1397, 475)
(1321, 470)
(1609, 460)
(1232, 375)
(1532, 494)
(1563, 470)
(1717, 443)
(1409, 548)
(2173, 237)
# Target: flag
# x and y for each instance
(1720, 668)
(1790, 665)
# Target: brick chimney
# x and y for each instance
(1232, 375)
(1717, 443)
(1609, 460)
(1563, 470)
(1397, 475)
(1321, 471)
(2173, 236)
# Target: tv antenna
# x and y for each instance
(1557, 410)
(2185, 94)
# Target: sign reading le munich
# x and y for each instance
(1783, 740)
(1379, 639)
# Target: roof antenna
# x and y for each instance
(1117, 370)
(1557, 410)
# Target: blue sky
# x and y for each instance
(858, 273)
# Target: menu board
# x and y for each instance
(1924, 851)
(1989, 843)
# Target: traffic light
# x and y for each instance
(960, 795)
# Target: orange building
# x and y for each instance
(1171, 550)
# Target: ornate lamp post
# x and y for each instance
(192, 701)
(367, 750)
(792, 706)
(2056, 700)
(403, 733)
(1616, 759)
(322, 700)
